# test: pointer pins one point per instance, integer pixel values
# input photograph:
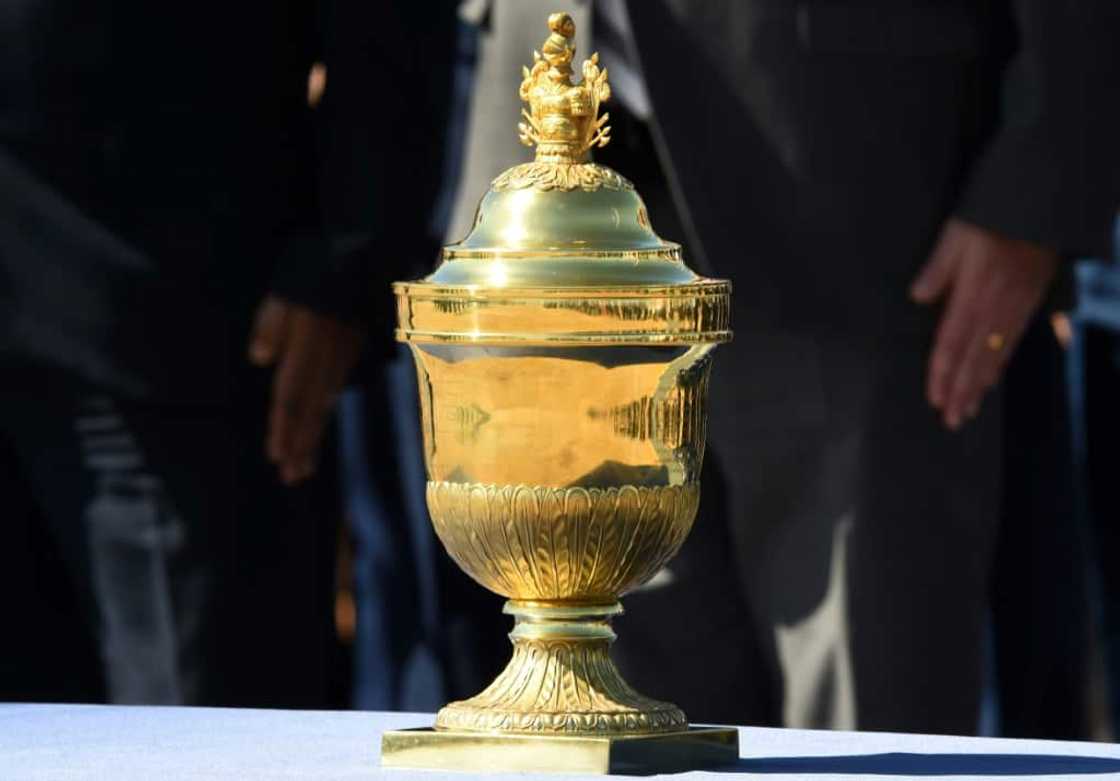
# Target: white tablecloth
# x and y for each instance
(162, 744)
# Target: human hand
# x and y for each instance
(313, 354)
(991, 285)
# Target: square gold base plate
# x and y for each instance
(670, 752)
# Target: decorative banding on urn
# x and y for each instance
(539, 543)
(698, 313)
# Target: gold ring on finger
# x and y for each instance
(996, 341)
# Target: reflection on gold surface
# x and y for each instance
(561, 418)
(674, 417)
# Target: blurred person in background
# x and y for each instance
(169, 203)
(891, 187)
(423, 632)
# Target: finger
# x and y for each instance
(302, 398)
(304, 453)
(936, 276)
(980, 371)
(340, 348)
(301, 457)
(292, 472)
(976, 373)
(292, 387)
(985, 364)
(287, 446)
(319, 353)
(269, 332)
(950, 343)
(1063, 329)
(999, 307)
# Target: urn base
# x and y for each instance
(670, 752)
(561, 681)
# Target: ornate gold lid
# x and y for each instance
(562, 250)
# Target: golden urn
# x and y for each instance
(563, 351)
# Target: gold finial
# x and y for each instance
(563, 120)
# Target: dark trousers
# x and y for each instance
(159, 536)
(1040, 604)
(1094, 375)
(1102, 455)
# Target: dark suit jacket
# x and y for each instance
(818, 146)
(868, 122)
(160, 171)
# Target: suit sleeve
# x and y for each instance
(1051, 173)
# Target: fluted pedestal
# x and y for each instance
(561, 681)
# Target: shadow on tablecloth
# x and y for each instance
(907, 764)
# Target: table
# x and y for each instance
(164, 744)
